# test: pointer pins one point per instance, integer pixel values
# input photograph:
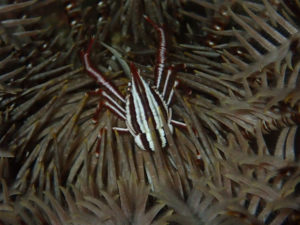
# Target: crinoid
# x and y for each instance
(238, 98)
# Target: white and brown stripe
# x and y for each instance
(143, 103)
